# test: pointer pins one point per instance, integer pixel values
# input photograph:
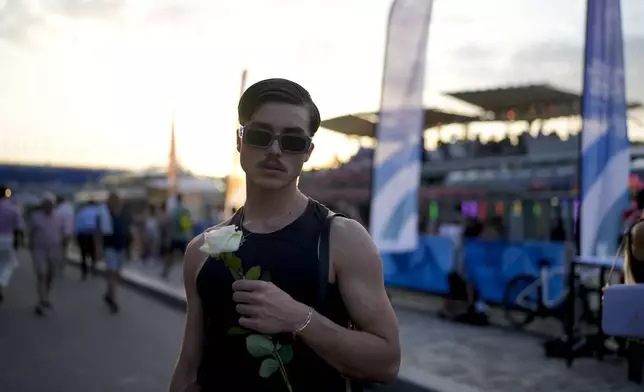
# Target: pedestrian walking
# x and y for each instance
(46, 241)
(11, 235)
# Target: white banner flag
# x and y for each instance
(397, 160)
(605, 153)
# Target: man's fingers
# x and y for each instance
(248, 323)
(248, 285)
(246, 310)
(243, 297)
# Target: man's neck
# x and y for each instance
(264, 204)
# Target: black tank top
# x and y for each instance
(290, 255)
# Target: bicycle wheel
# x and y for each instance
(520, 312)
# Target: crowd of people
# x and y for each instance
(57, 230)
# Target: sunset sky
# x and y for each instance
(94, 82)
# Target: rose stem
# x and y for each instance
(282, 370)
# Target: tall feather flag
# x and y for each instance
(397, 159)
(605, 156)
(173, 164)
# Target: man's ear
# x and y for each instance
(238, 140)
(307, 156)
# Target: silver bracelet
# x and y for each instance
(305, 324)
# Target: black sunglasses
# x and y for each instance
(288, 142)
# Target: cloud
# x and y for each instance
(103, 9)
(556, 63)
(563, 64)
(172, 14)
(24, 23)
(16, 18)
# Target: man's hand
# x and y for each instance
(265, 308)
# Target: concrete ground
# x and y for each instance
(81, 347)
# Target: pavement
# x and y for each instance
(442, 356)
(81, 347)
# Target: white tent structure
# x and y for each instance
(192, 185)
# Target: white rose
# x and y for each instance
(225, 239)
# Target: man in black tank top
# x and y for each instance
(302, 301)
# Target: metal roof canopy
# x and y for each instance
(364, 124)
(351, 124)
(521, 97)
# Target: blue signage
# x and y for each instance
(605, 147)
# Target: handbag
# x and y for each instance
(623, 307)
(324, 258)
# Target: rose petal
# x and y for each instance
(226, 239)
(206, 249)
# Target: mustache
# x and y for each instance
(272, 163)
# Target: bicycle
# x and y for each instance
(527, 297)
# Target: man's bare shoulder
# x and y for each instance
(350, 241)
(349, 233)
(194, 257)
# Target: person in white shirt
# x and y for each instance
(462, 303)
(65, 211)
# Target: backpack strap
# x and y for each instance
(324, 258)
(235, 219)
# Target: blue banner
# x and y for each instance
(397, 160)
(605, 147)
(424, 269)
(488, 265)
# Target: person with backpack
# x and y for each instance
(115, 227)
(180, 234)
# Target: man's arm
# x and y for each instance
(184, 378)
(372, 353)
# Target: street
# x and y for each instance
(81, 347)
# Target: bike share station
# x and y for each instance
(601, 268)
(529, 279)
